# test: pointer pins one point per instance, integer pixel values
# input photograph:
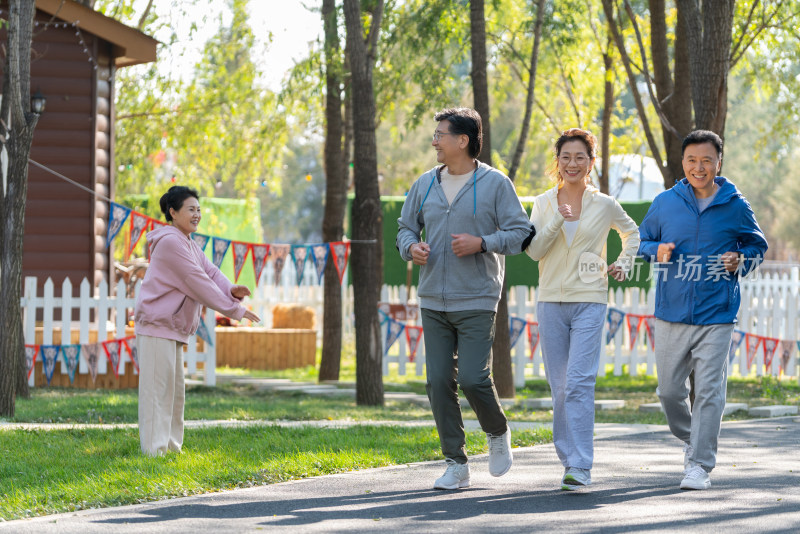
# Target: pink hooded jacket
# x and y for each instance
(179, 282)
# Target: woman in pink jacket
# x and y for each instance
(180, 280)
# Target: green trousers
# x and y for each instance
(458, 352)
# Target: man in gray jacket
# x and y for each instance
(471, 214)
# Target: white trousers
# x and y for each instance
(161, 394)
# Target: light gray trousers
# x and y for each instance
(571, 334)
(681, 348)
(161, 394)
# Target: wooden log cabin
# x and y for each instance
(76, 53)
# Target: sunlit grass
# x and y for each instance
(46, 472)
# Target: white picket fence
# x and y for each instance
(770, 306)
(100, 312)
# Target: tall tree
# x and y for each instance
(17, 123)
(501, 348)
(335, 193)
(367, 249)
(691, 79)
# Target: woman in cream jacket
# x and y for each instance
(572, 221)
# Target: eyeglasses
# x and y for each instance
(438, 135)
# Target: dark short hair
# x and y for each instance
(174, 198)
(698, 137)
(464, 121)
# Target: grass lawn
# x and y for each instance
(46, 472)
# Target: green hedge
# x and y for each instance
(520, 269)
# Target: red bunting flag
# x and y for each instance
(240, 251)
(259, 255)
(533, 336)
(112, 348)
(139, 224)
(769, 345)
(752, 341)
(413, 336)
(133, 351)
(634, 333)
(340, 251)
(30, 357)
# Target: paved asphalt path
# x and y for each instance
(755, 488)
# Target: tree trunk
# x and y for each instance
(335, 195)
(672, 90)
(21, 122)
(367, 250)
(608, 109)
(709, 37)
(531, 96)
(501, 348)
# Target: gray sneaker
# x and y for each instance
(687, 453)
(455, 476)
(575, 477)
(500, 457)
(696, 478)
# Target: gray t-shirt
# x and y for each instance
(703, 203)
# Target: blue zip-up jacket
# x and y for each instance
(693, 287)
(486, 206)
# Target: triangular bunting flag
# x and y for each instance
(736, 339)
(72, 355)
(117, 216)
(156, 222)
(219, 248)
(384, 316)
(259, 256)
(786, 350)
(515, 327)
(112, 347)
(634, 332)
(533, 337)
(320, 256)
(413, 335)
(49, 359)
(30, 357)
(240, 251)
(202, 332)
(133, 350)
(614, 320)
(769, 346)
(650, 327)
(393, 331)
(340, 251)
(201, 240)
(90, 354)
(299, 255)
(139, 223)
(752, 342)
(279, 254)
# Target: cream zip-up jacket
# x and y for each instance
(559, 264)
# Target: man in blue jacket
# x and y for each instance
(701, 236)
(470, 214)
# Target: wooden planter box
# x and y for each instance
(265, 348)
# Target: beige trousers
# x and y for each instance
(161, 394)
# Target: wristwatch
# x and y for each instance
(483, 245)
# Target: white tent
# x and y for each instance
(632, 177)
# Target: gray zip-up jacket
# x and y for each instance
(487, 206)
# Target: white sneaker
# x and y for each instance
(696, 478)
(575, 478)
(687, 453)
(455, 476)
(500, 457)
